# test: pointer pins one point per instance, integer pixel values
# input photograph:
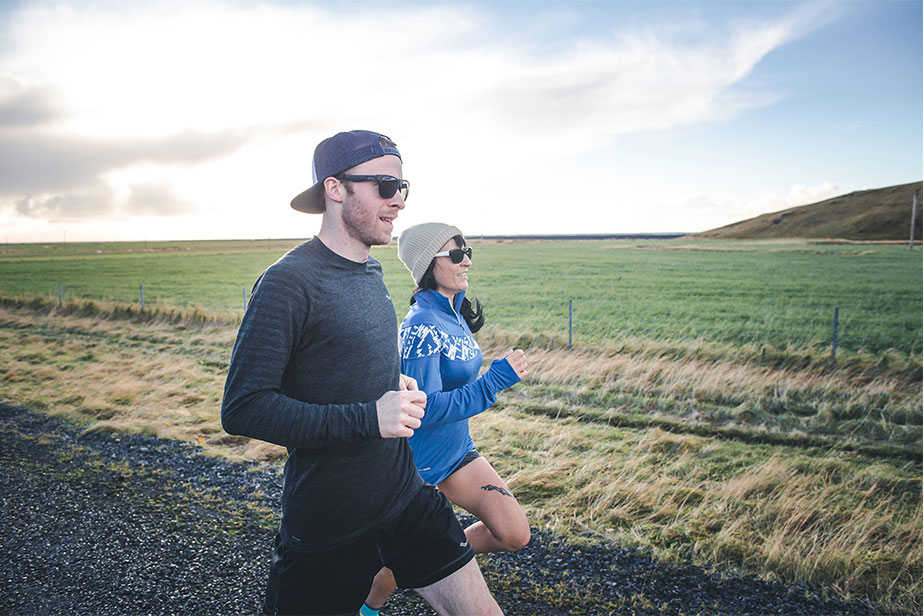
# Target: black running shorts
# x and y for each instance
(421, 546)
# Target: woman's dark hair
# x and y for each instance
(472, 313)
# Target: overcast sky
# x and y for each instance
(198, 119)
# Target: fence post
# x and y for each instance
(570, 320)
(142, 296)
(244, 293)
(60, 295)
(914, 209)
(834, 340)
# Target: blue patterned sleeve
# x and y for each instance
(420, 356)
(421, 347)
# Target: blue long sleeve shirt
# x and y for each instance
(439, 351)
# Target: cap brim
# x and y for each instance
(311, 201)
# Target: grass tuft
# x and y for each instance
(101, 309)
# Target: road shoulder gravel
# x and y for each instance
(99, 523)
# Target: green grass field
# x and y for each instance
(777, 294)
(699, 415)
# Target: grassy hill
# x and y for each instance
(880, 214)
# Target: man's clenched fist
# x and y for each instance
(400, 412)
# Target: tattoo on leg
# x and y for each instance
(489, 487)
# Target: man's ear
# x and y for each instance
(334, 189)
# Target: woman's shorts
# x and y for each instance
(467, 459)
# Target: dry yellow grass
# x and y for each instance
(866, 403)
(593, 369)
(156, 378)
(841, 519)
(784, 513)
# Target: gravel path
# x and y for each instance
(115, 524)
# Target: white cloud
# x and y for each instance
(712, 213)
(228, 99)
(92, 200)
(101, 200)
(22, 106)
(803, 195)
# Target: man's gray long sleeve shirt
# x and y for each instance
(316, 348)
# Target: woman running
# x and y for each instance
(439, 351)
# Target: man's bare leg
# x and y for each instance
(463, 593)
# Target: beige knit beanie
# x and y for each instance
(419, 243)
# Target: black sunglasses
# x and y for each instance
(456, 254)
(388, 184)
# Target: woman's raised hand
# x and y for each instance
(517, 360)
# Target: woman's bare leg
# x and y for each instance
(477, 488)
(502, 525)
(382, 587)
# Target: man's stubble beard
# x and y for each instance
(358, 224)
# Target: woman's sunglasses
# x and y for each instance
(388, 184)
(456, 254)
